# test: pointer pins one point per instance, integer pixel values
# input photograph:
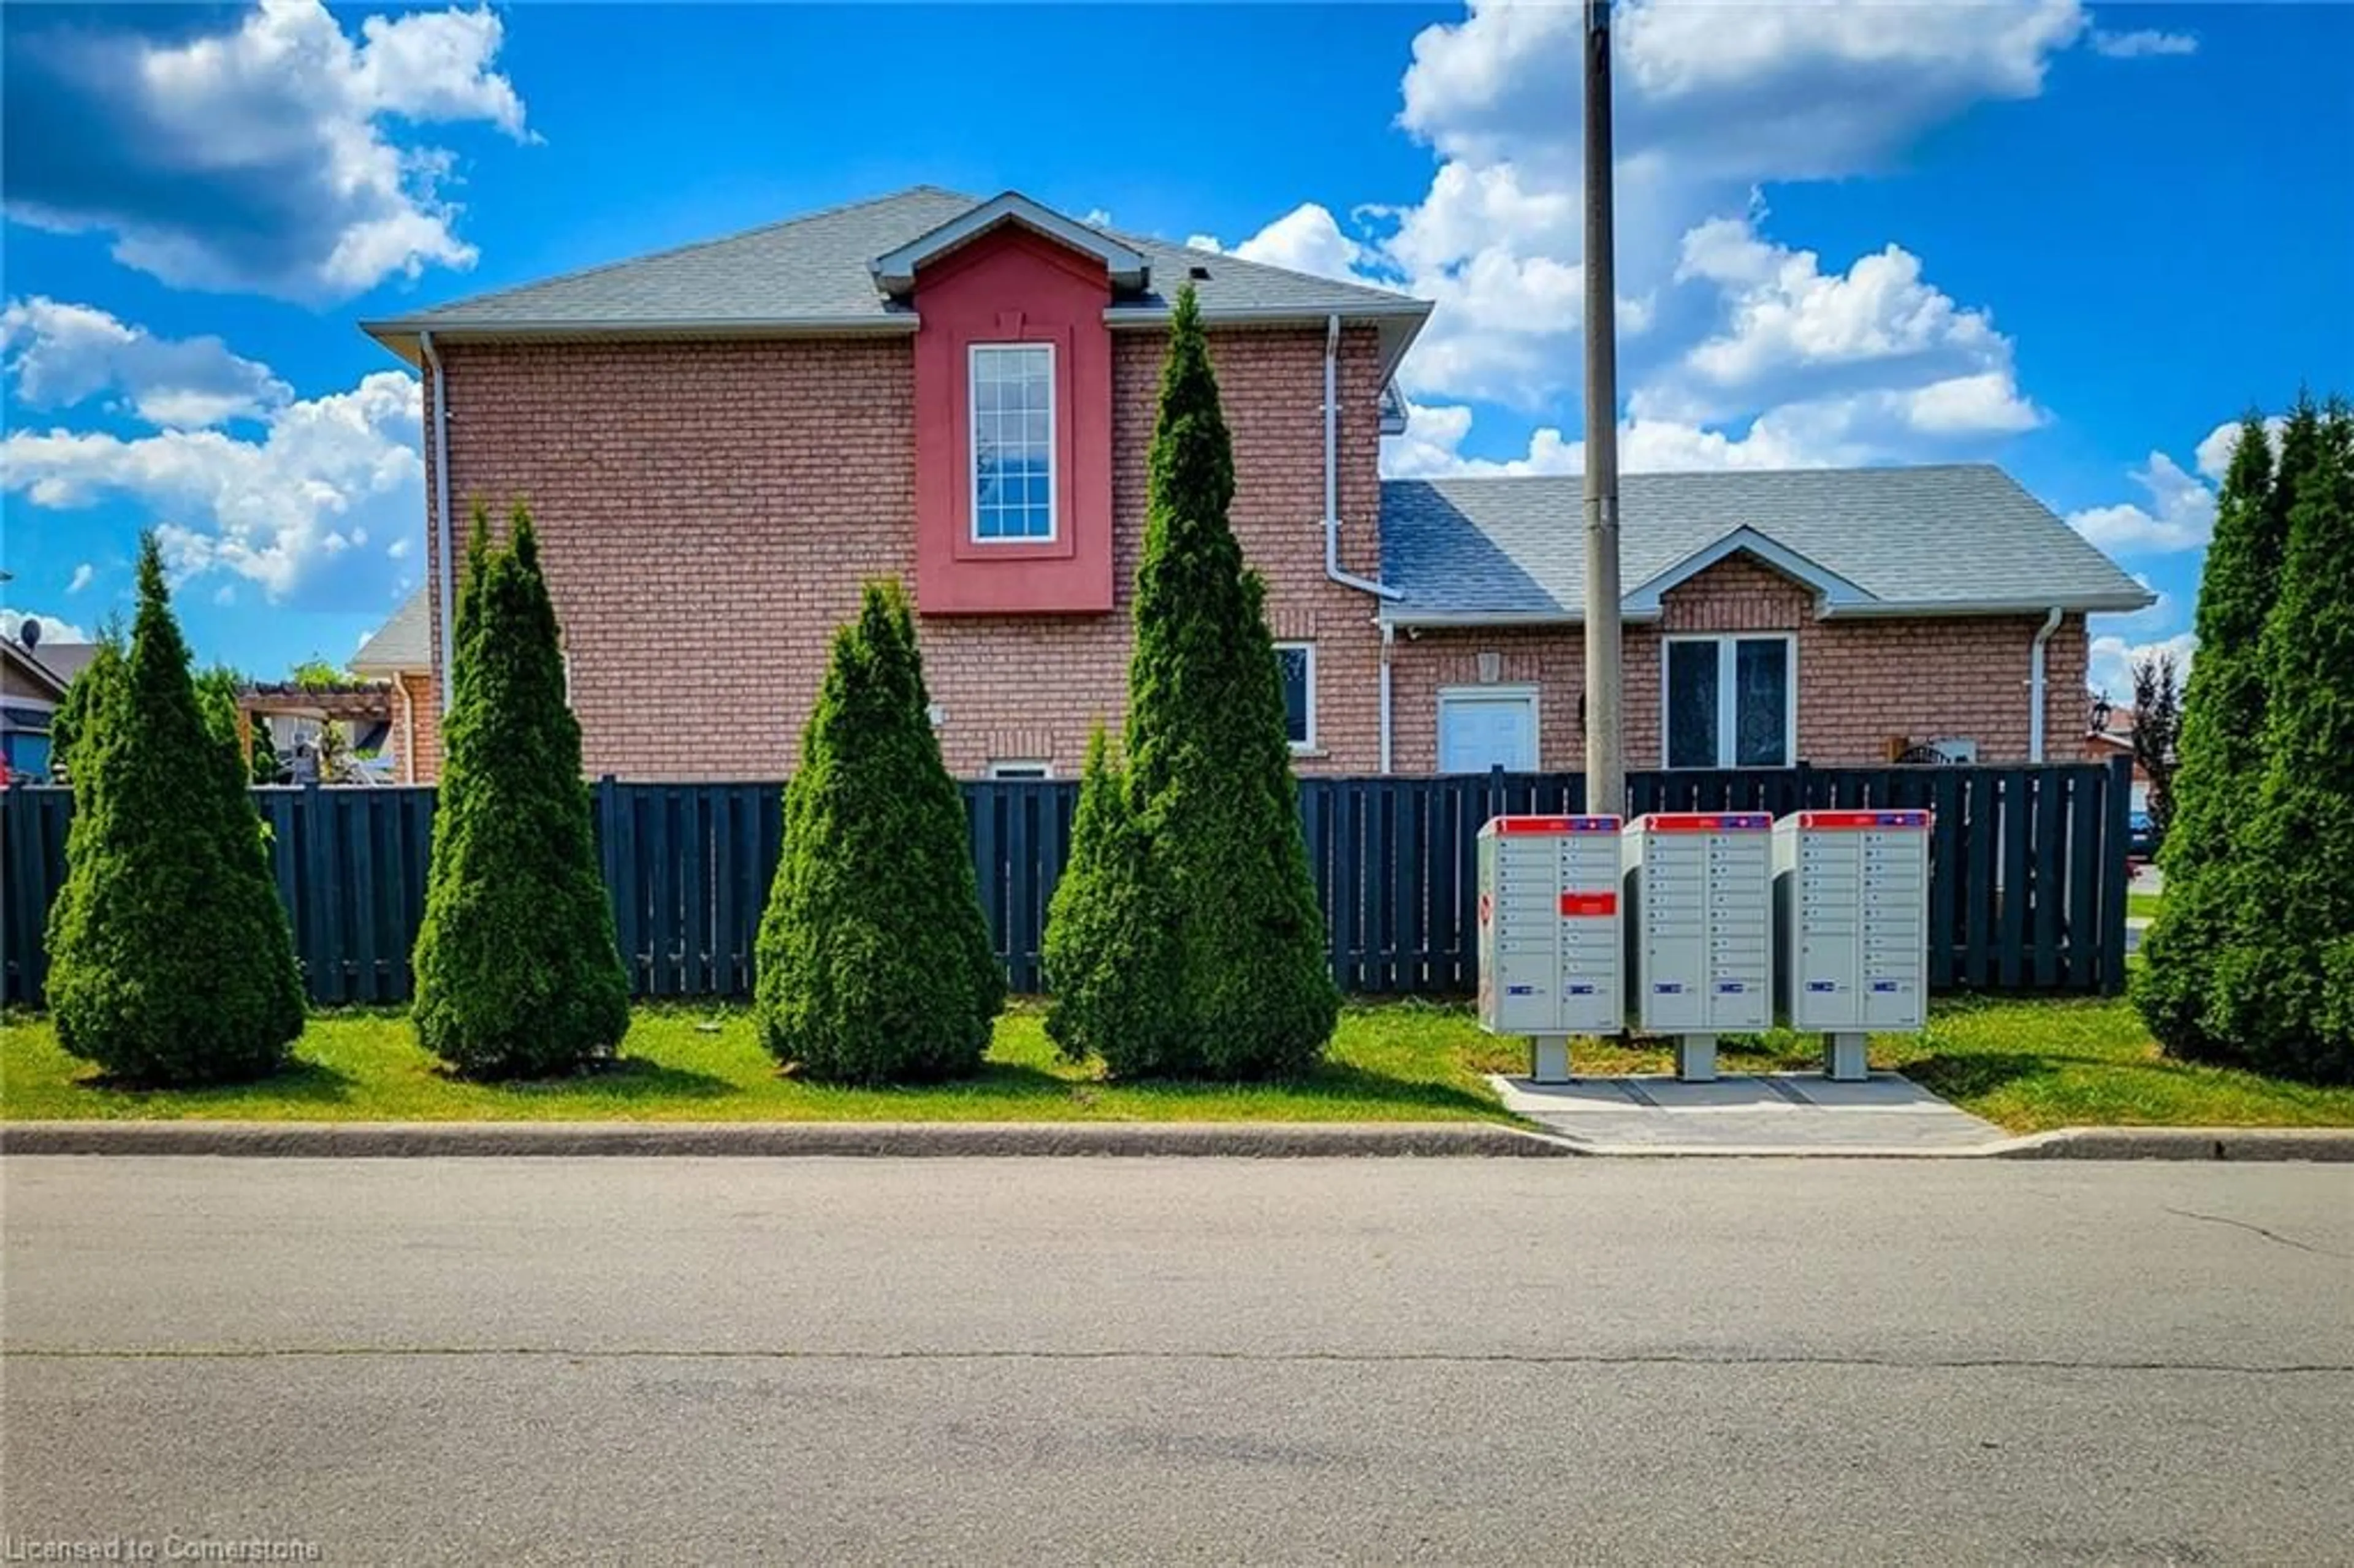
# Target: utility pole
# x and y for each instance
(1605, 774)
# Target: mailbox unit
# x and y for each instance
(1550, 934)
(1700, 937)
(1852, 895)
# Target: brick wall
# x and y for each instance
(708, 513)
(422, 715)
(1860, 681)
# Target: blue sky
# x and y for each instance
(2074, 240)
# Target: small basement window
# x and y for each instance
(1012, 385)
(1297, 662)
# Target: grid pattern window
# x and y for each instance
(1014, 441)
(1728, 702)
(1297, 660)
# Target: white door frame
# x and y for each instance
(1525, 692)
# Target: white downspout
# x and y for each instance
(2035, 684)
(1389, 636)
(444, 574)
(1332, 473)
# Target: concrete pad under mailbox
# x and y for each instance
(1778, 1114)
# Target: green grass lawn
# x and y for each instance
(1400, 1063)
(2026, 1065)
(2144, 905)
(2033, 1064)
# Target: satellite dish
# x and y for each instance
(28, 633)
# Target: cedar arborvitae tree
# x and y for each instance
(1209, 760)
(517, 974)
(171, 961)
(2285, 984)
(874, 964)
(97, 681)
(2221, 752)
(1111, 964)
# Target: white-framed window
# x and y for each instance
(1730, 702)
(1012, 388)
(1486, 727)
(1297, 662)
(1011, 769)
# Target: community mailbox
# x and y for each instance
(1851, 891)
(1549, 937)
(1700, 946)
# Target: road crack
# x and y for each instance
(2259, 1230)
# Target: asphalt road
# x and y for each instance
(554, 1361)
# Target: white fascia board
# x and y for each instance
(400, 336)
(895, 272)
(1832, 589)
(2042, 604)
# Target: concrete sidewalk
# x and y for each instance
(1779, 1113)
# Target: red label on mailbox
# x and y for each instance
(1573, 905)
(1710, 821)
(1531, 824)
(1863, 819)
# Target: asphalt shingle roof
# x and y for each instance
(403, 643)
(1957, 535)
(814, 270)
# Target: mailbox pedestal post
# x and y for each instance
(1844, 1060)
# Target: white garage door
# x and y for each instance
(1481, 730)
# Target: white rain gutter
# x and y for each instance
(1389, 636)
(443, 575)
(1332, 473)
(2035, 684)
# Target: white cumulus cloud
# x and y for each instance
(287, 510)
(53, 629)
(257, 158)
(2110, 668)
(59, 355)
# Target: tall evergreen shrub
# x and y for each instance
(93, 686)
(875, 962)
(1111, 964)
(2221, 746)
(2284, 986)
(1209, 768)
(170, 960)
(517, 974)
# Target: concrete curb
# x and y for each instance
(2177, 1143)
(2334, 1144)
(777, 1140)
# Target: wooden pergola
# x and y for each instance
(353, 702)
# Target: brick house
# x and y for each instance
(720, 442)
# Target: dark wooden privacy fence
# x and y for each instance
(2027, 886)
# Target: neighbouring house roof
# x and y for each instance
(35, 669)
(403, 643)
(832, 271)
(1959, 539)
(66, 660)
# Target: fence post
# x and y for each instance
(2114, 880)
